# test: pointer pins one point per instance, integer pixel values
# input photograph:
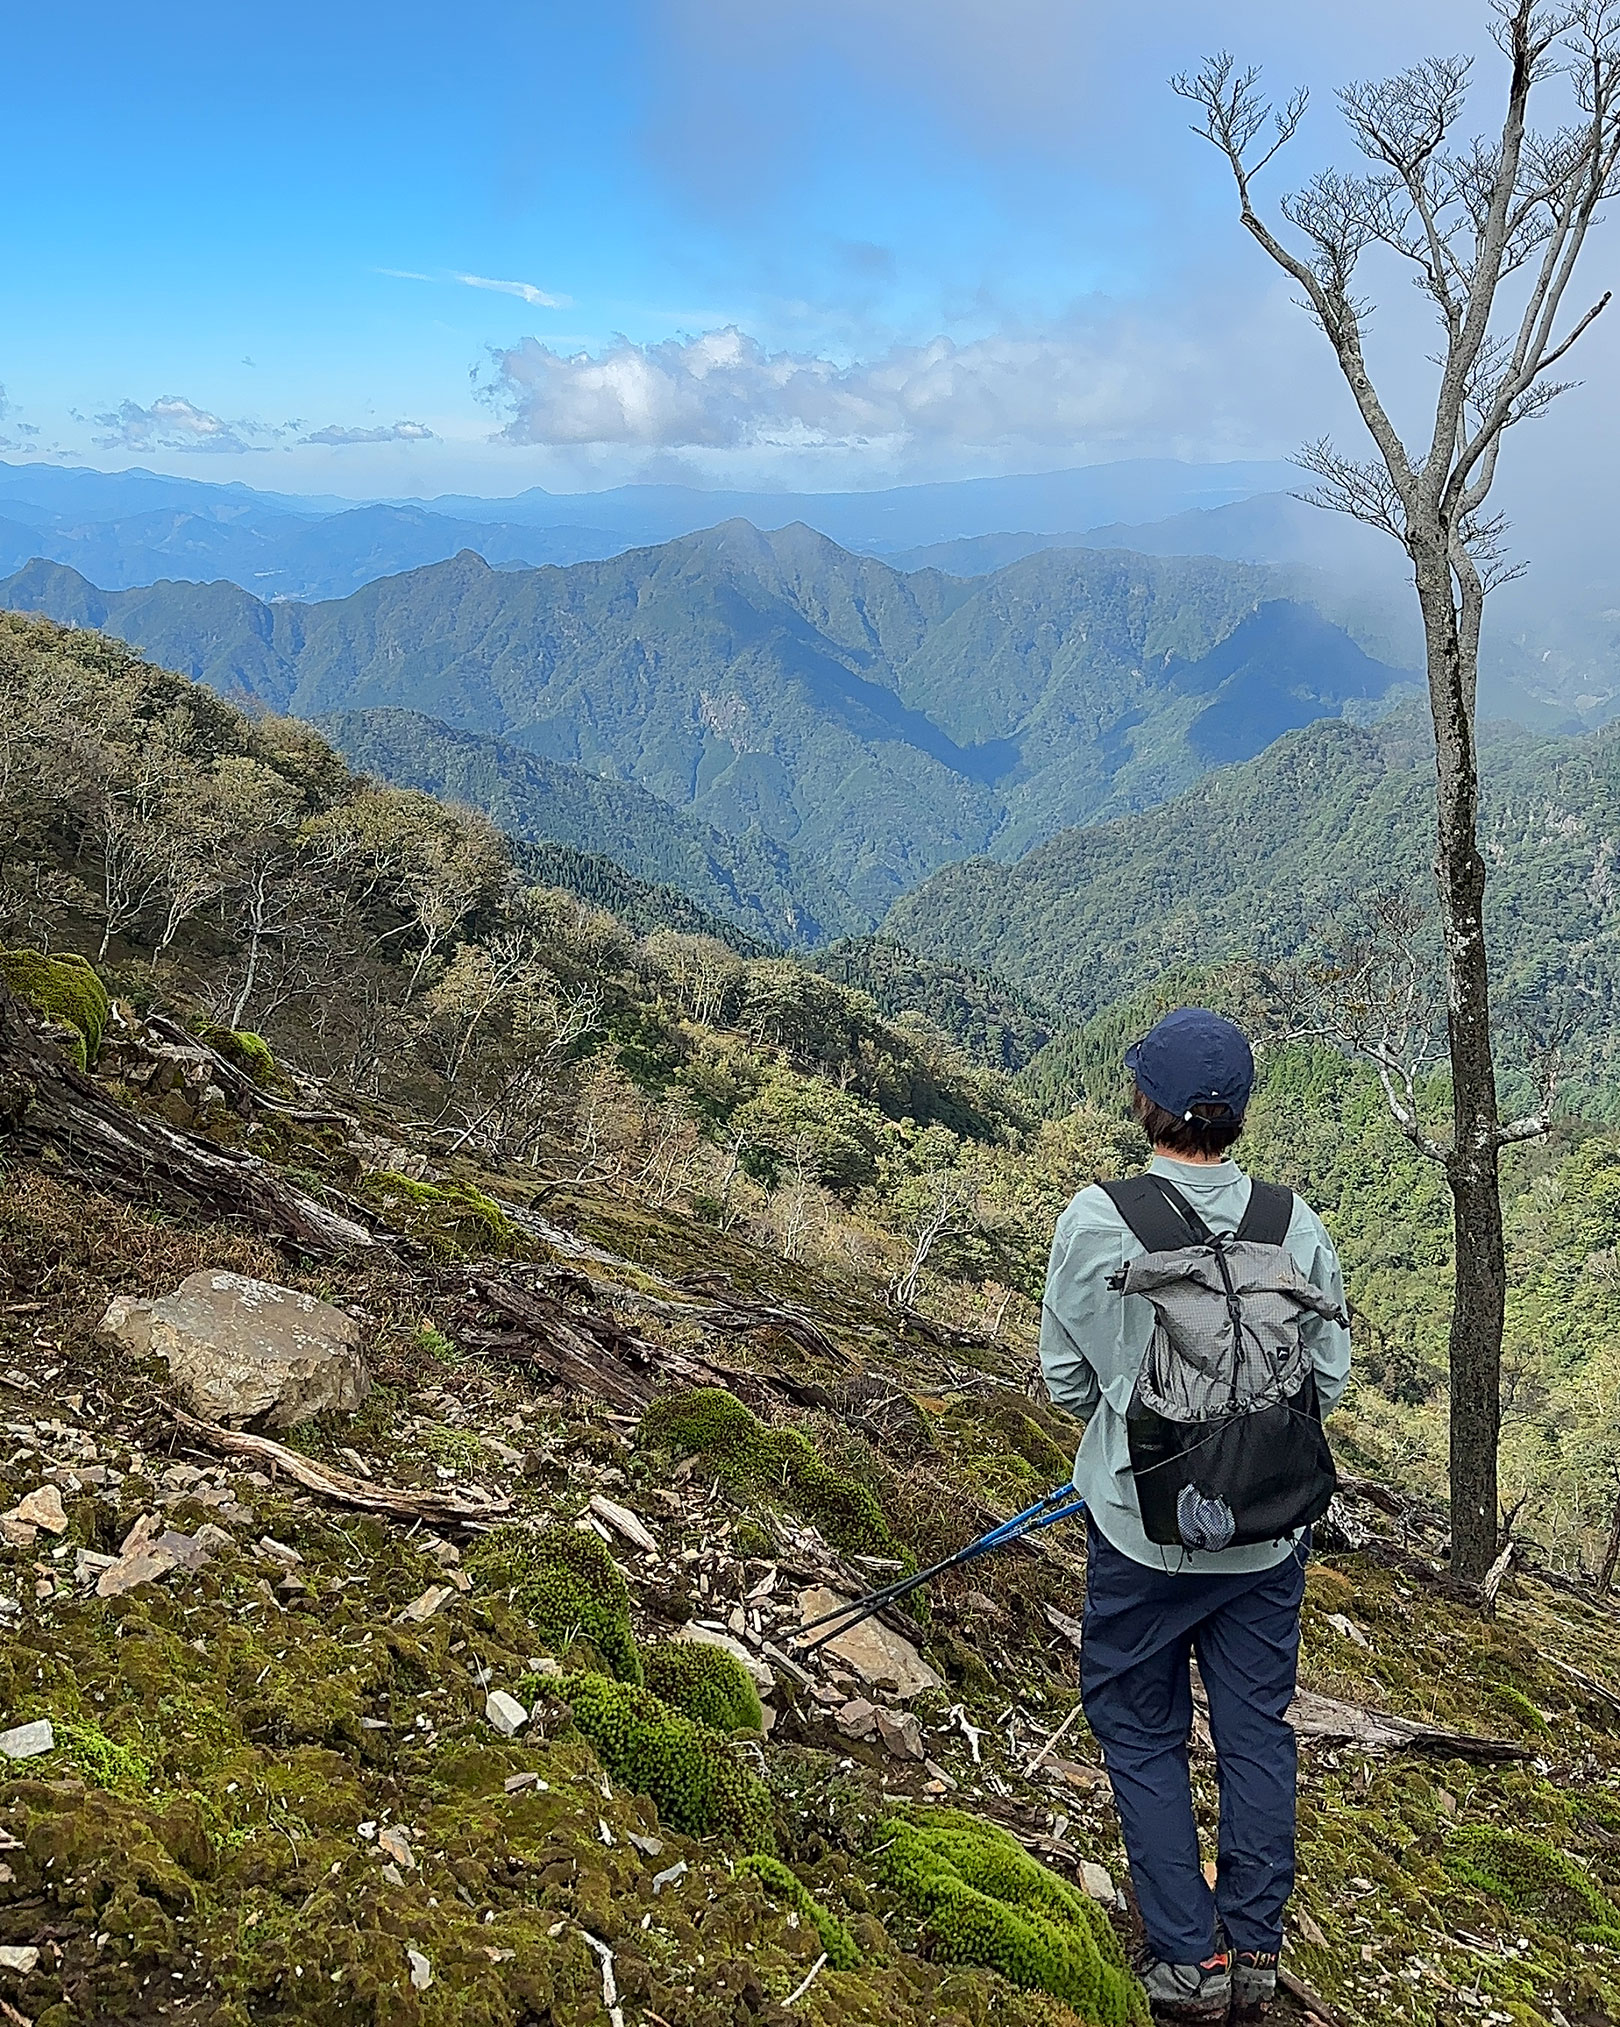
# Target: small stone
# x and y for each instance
(649, 1847)
(28, 1741)
(857, 1718)
(669, 1876)
(421, 1969)
(423, 1608)
(21, 1957)
(505, 1713)
(900, 1733)
(1347, 1629)
(1097, 1881)
(42, 1508)
(397, 1845)
(940, 1780)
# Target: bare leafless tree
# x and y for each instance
(1492, 229)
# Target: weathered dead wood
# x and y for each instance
(1495, 1577)
(55, 1114)
(1316, 2007)
(237, 1082)
(1329, 1722)
(441, 1509)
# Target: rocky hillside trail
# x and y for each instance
(399, 1619)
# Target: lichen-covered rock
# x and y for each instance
(984, 1900)
(706, 1683)
(699, 1784)
(241, 1350)
(67, 991)
(773, 1467)
(567, 1586)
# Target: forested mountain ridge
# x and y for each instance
(884, 723)
(1270, 858)
(750, 881)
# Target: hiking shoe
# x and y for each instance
(1189, 1991)
(1254, 1983)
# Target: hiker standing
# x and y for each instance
(1194, 1319)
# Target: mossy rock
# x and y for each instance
(245, 1051)
(699, 1783)
(843, 1954)
(65, 989)
(1533, 1881)
(774, 1467)
(1002, 1430)
(704, 1682)
(567, 1586)
(450, 1218)
(983, 1900)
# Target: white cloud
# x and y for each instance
(1078, 384)
(173, 423)
(524, 291)
(396, 432)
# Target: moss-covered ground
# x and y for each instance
(277, 1794)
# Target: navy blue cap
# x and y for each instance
(1193, 1057)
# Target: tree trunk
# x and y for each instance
(1611, 1553)
(53, 1113)
(1481, 1274)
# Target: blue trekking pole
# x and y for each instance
(1058, 1504)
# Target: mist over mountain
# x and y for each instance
(123, 529)
(879, 723)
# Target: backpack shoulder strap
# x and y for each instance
(1269, 1213)
(1157, 1213)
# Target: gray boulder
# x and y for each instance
(241, 1350)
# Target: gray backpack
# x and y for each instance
(1225, 1429)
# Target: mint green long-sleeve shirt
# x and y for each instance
(1094, 1339)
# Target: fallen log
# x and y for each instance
(1326, 1721)
(53, 1113)
(441, 1509)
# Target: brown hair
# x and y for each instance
(1210, 1130)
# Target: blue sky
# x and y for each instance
(414, 249)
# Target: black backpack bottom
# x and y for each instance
(1233, 1482)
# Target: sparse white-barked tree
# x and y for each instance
(1492, 229)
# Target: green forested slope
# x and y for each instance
(1267, 860)
(750, 881)
(885, 723)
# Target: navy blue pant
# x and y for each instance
(1142, 1628)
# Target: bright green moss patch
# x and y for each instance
(776, 1467)
(1533, 1881)
(704, 1682)
(983, 1900)
(791, 1891)
(243, 1050)
(67, 990)
(451, 1218)
(104, 1761)
(567, 1586)
(699, 1783)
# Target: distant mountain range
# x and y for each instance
(880, 724)
(1552, 642)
